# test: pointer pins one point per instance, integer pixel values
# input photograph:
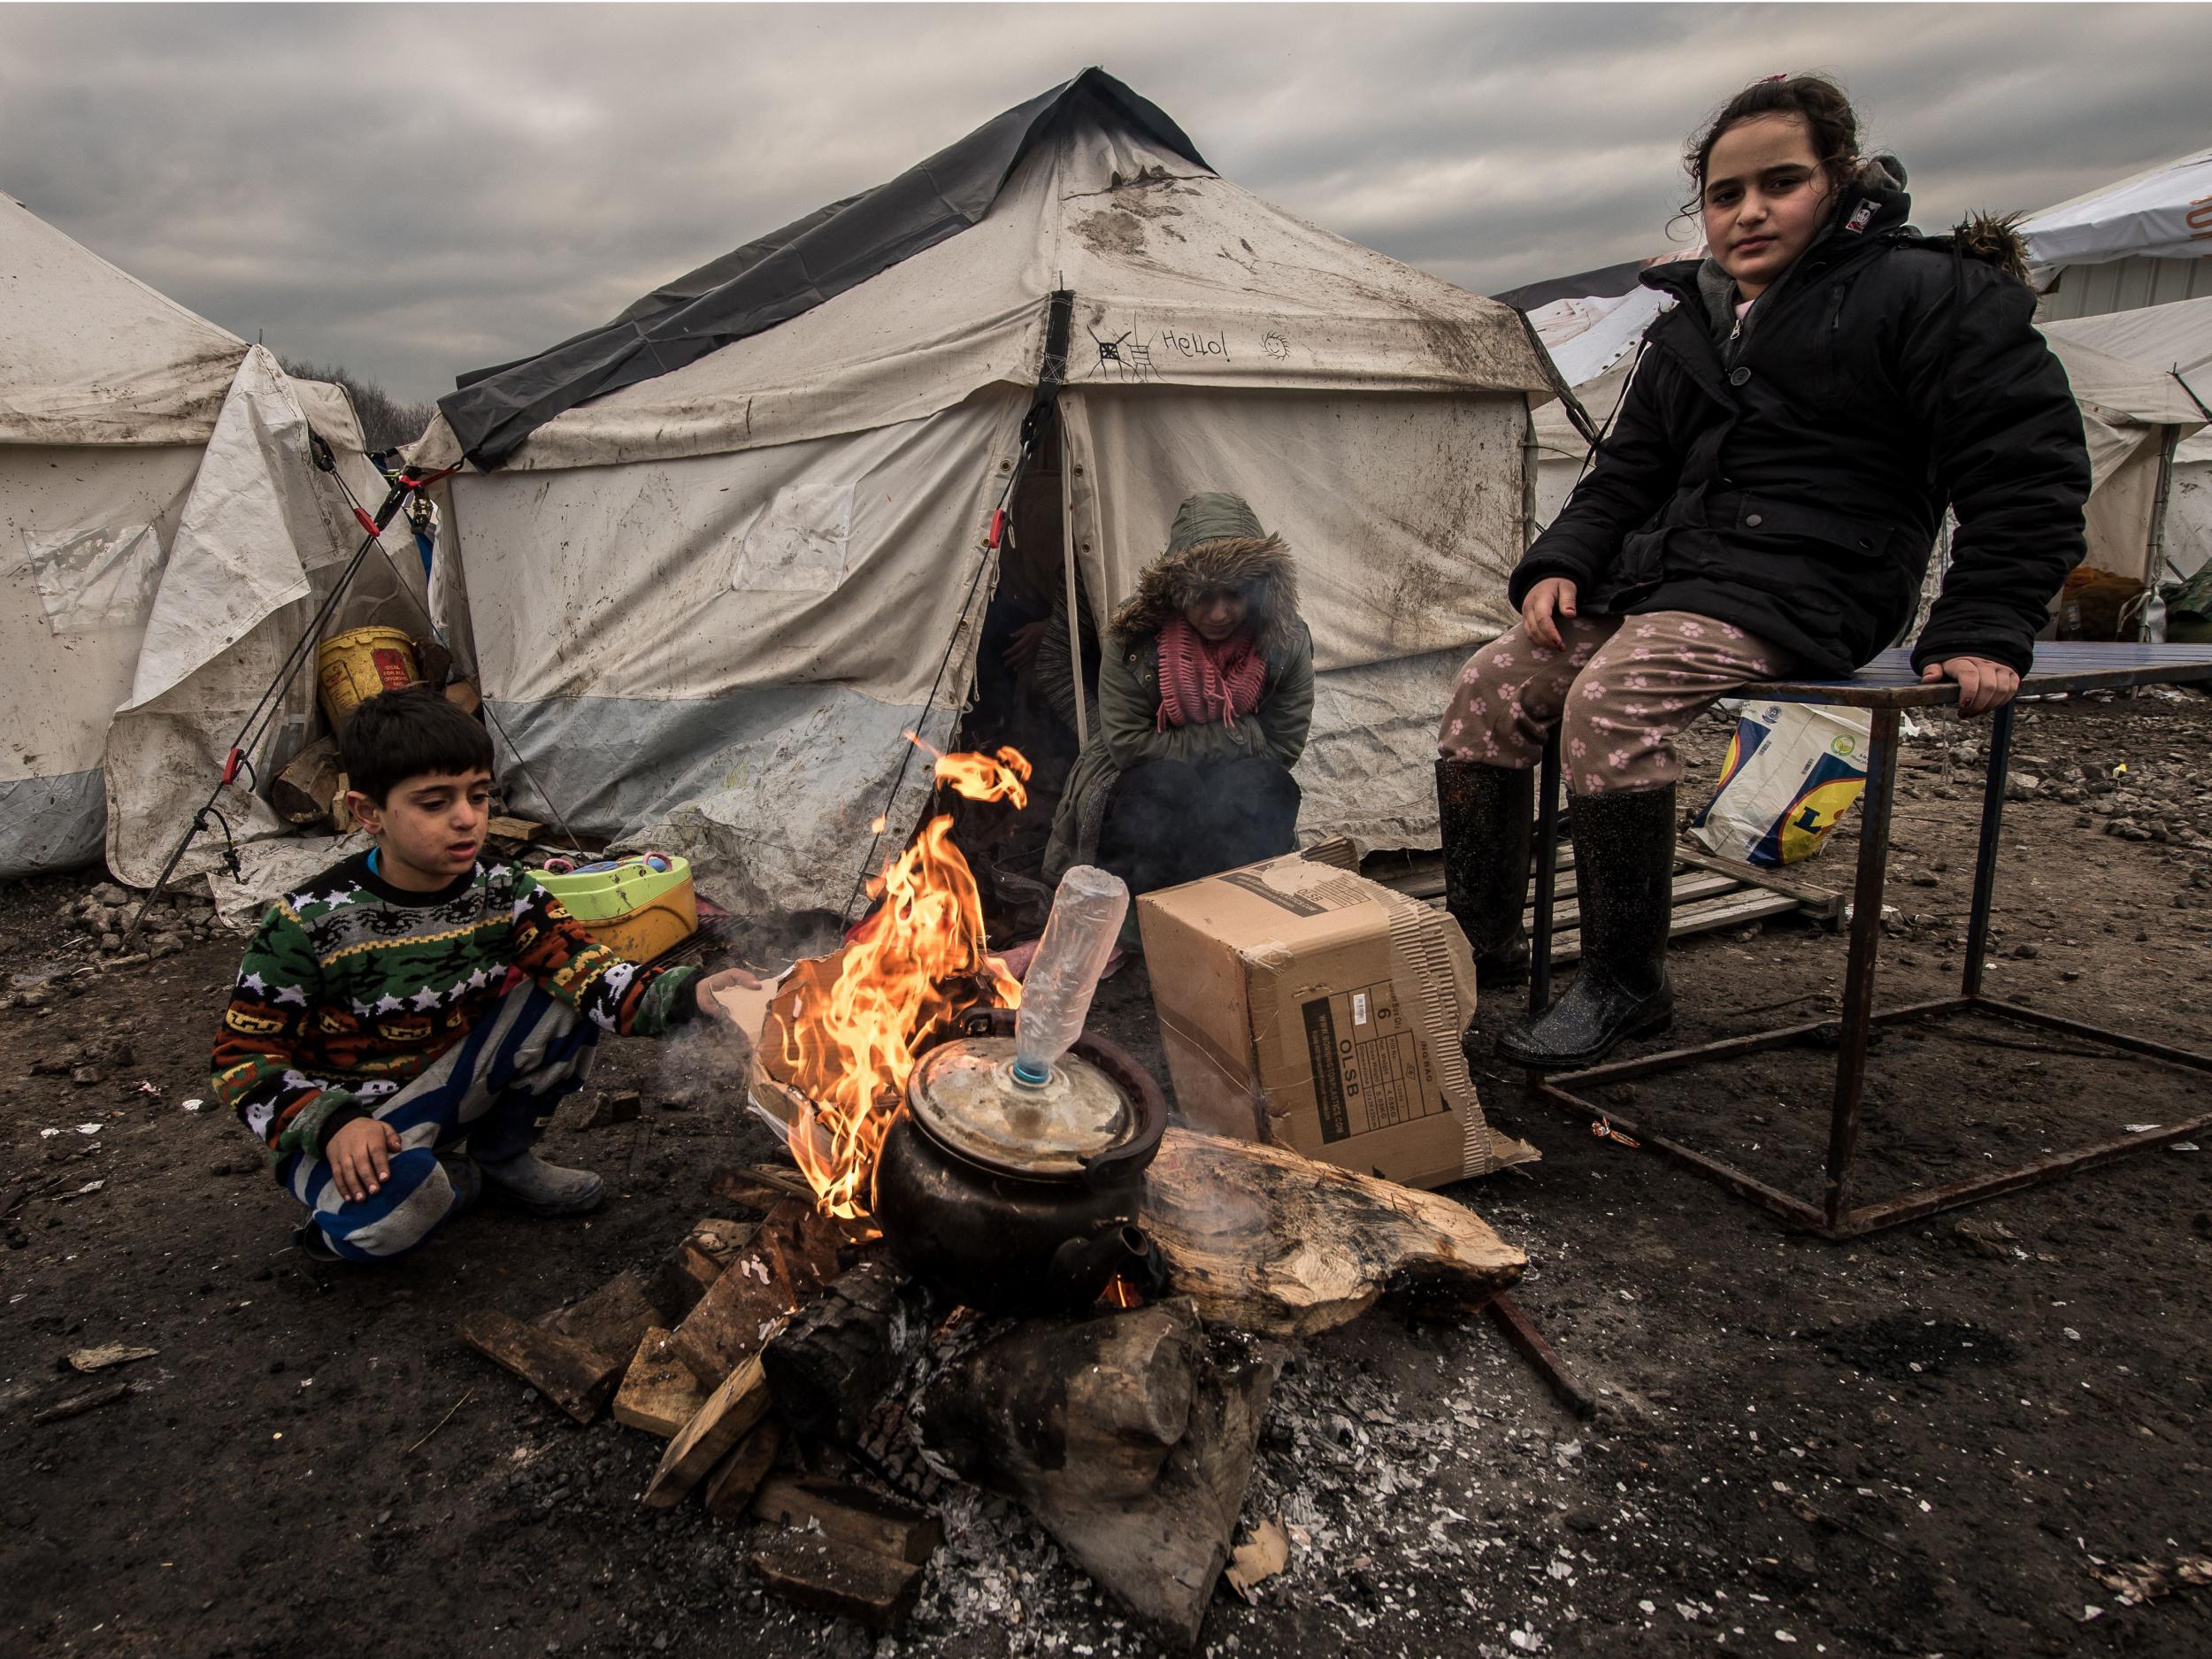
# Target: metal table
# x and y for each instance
(1887, 687)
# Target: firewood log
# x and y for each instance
(834, 1363)
(1085, 1409)
(1267, 1240)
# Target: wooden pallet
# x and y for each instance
(1710, 894)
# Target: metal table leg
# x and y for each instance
(1866, 944)
(1547, 877)
(1986, 852)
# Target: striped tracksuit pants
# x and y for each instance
(492, 1089)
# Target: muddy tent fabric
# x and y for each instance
(114, 450)
(706, 605)
(2147, 348)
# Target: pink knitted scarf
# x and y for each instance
(1201, 682)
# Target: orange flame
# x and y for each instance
(860, 1016)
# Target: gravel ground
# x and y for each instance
(1931, 1441)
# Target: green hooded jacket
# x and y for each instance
(1216, 541)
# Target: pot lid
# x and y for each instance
(963, 1094)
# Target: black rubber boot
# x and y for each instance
(1625, 875)
(1486, 813)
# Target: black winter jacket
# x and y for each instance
(1791, 479)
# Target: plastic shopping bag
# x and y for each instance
(1792, 770)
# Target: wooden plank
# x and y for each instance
(730, 1488)
(658, 1394)
(1818, 902)
(827, 1578)
(780, 1267)
(1688, 889)
(574, 1376)
(850, 1514)
(711, 1246)
(514, 829)
(610, 1320)
(729, 1414)
(1730, 910)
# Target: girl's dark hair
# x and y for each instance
(1829, 121)
(397, 735)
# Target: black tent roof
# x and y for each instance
(788, 271)
(1606, 282)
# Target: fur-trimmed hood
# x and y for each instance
(1256, 562)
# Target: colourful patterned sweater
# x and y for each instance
(352, 988)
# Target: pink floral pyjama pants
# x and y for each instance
(1620, 691)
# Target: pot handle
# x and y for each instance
(1132, 1158)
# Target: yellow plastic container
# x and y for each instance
(628, 906)
(353, 666)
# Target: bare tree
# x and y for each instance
(386, 422)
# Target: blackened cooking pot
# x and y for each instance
(1013, 1199)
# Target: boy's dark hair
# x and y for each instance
(1830, 121)
(397, 735)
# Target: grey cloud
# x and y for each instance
(415, 191)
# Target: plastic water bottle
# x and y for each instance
(1079, 935)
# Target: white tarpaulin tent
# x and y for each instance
(2144, 240)
(2157, 342)
(726, 550)
(142, 449)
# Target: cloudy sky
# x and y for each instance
(413, 191)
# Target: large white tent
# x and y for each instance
(2144, 240)
(716, 558)
(161, 517)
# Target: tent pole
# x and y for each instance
(1075, 609)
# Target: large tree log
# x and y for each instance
(1080, 1411)
(1267, 1240)
(1126, 1435)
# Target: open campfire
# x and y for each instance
(843, 1036)
(809, 1372)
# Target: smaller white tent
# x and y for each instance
(160, 516)
(2144, 240)
(2156, 345)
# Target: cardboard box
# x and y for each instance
(1301, 1003)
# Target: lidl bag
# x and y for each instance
(1792, 770)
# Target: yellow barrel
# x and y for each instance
(353, 666)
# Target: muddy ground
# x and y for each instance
(1920, 1443)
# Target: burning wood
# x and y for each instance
(843, 1035)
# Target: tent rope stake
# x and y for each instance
(1052, 373)
(255, 726)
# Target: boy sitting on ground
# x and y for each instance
(416, 996)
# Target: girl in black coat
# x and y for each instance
(1826, 382)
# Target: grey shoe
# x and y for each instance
(531, 1184)
(468, 1185)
